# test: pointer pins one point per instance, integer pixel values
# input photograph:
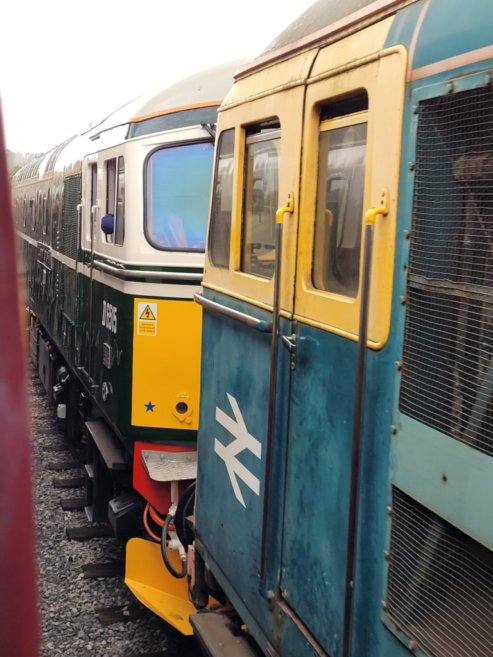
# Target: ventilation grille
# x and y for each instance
(71, 198)
(69, 293)
(447, 378)
(440, 587)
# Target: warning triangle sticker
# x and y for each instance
(147, 314)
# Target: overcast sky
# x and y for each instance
(65, 65)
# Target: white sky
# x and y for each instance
(65, 65)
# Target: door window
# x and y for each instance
(340, 193)
(222, 201)
(114, 220)
(261, 200)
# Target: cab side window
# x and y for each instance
(340, 195)
(115, 200)
(110, 166)
(222, 201)
(120, 202)
(260, 200)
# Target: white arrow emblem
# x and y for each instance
(243, 440)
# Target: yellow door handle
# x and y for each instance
(383, 209)
(289, 208)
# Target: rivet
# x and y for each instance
(398, 365)
(389, 510)
(393, 429)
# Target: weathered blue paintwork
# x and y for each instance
(312, 443)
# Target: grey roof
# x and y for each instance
(211, 84)
(316, 17)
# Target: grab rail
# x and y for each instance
(142, 274)
(258, 324)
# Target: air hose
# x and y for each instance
(183, 535)
(164, 551)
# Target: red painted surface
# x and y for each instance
(157, 493)
(18, 612)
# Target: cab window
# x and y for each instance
(260, 200)
(120, 202)
(114, 228)
(178, 181)
(110, 166)
(222, 201)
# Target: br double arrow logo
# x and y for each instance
(243, 440)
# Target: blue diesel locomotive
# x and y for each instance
(346, 437)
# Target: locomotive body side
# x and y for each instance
(342, 483)
(112, 225)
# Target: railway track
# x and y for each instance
(86, 610)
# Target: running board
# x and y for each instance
(219, 637)
(106, 442)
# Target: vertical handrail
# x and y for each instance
(288, 209)
(352, 535)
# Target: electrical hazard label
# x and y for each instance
(146, 318)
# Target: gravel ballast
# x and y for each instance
(67, 600)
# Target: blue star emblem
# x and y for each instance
(150, 407)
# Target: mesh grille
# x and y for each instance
(71, 198)
(440, 587)
(69, 293)
(447, 378)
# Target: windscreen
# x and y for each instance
(178, 183)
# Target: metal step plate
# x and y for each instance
(219, 637)
(170, 466)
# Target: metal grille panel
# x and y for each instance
(69, 293)
(71, 198)
(447, 378)
(440, 586)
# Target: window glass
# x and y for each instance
(340, 192)
(222, 201)
(110, 186)
(120, 203)
(94, 183)
(32, 209)
(46, 212)
(178, 185)
(261, 201)
(173, 121)
(110, 194)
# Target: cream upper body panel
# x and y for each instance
(295, 91)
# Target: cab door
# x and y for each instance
(351, 152)
(257, 167)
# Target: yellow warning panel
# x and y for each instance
(146, 576)
(166, 363)
(146, 318)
